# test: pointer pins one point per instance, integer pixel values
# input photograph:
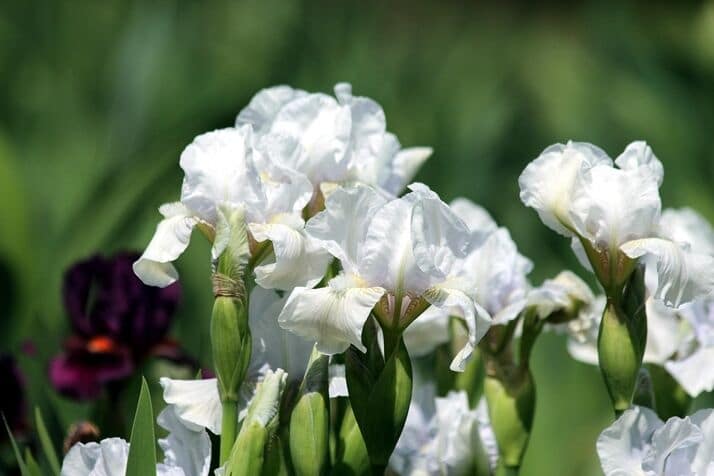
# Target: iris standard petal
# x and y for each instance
(197, 403)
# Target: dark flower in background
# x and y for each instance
(12, 398)
(117, 322)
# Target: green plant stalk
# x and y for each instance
(229, 429)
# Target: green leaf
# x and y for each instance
(46, 442)
(142, 448)
(16, 450)
(33, 469)
(380, 401)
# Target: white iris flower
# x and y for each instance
(398, 256)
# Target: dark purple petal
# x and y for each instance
(81, 373)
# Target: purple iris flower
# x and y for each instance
(117, 322)
(12, 399)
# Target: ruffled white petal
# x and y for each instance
(477, 219)
(681, 276)
(703, 461)
(610, 206)
(333, 316)
(106, 458)
(664, 335)
(547, 183)
(672, 448)
(264, 106)
(186, 452)
(171, 238)
(456, 302)
(197, 403)
(639, 155)
(405, 165)
(298, 260)
(623, 446)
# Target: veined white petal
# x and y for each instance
(171, 238)
(265, 105)
(106, 458)
(681, 276)
(610, 206)
(439, 237)
(332, 316)
(342, 227)
(687, 227)
(694, 373)
(185, 450)
(623, 446)
(547, 183)
(638, 154)
(673, 447)
(298, 261)
(456, 302)
(196, 402)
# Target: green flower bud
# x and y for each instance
(248, 454)
(231, 341)
(621, 342)
(510, 394)
(310, 420)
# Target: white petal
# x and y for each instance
(439, 237)
(498, 273)
(219, 169)
(547, 182)
(333, 316)
(266, 403)
(663, 332)
(184, 448)
(106, 458)
(611, 206)
(405, 165)
(264, 106)
(688, 227)
(676, 435)
(273, 345)
(476, 218)
(171, 238)
(703, 461)
(694, 373)
(456, 302)
(681, 276)
(623, 445)
(427, 332)
(638, 154)
(298, 261)
(196, 402)
(342, 227)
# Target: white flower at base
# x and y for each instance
(187, 452)
(398, 256)
(639, 443)
(224, 170)
(334, 140)
(444, 436)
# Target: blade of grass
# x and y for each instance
(46, 442)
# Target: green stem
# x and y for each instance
(503, 470)
(229, 429)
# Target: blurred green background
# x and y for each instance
(99, 98)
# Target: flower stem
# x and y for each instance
(503, 470)
(229, 429)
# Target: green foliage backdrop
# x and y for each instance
(99, 98)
